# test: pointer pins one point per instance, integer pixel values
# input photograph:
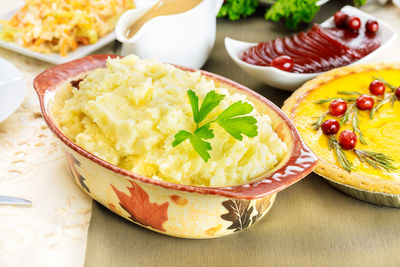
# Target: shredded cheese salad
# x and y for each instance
(60, 26)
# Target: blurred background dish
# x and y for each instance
(12, 89)
(269, 2)
(58, 31)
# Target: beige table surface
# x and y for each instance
(310, 224)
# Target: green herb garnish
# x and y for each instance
(340, 155)
(326, 100)
(351, 115)
(231, 119)
(359, 3)
(293, 11)
(389, 97)
(373, 159)
(380, 103)
(236, 9)
(376, 160)
(349, 93)
(319, 120)
(391, 86)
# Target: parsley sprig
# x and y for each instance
(231, 119)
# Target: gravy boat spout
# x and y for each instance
(129, 18)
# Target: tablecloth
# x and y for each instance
(310, 224)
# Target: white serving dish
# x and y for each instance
(81, 51)
(184, 39)
(12, 89)
(291, 81)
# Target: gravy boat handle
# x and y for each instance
(218, 4)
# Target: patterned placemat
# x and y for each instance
(53, 231)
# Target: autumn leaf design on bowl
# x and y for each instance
(72, 163)
(240, 212)
(141, 210)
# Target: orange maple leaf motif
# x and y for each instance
(137, 204)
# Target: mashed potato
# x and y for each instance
(129, 112)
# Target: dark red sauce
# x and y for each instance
(319, 49)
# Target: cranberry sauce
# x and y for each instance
(319, 49)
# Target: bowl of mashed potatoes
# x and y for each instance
(117, 119)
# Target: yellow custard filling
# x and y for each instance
(382, 133)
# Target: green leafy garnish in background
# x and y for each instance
(231, 119)
(293, 11)
(236, 9)
(359, 3)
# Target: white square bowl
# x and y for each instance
(291, 81)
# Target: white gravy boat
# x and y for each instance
(184, 39)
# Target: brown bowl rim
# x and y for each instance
(300, 163)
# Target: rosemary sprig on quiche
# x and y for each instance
(317, 123)
(376, 160)
(340, 155)
(389, 97)
(351, 115)
(347, 141)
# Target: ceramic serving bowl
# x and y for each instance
(175, 209)
(291, 81)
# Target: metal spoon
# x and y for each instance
(7, 200)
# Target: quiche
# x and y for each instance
(372, 162)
